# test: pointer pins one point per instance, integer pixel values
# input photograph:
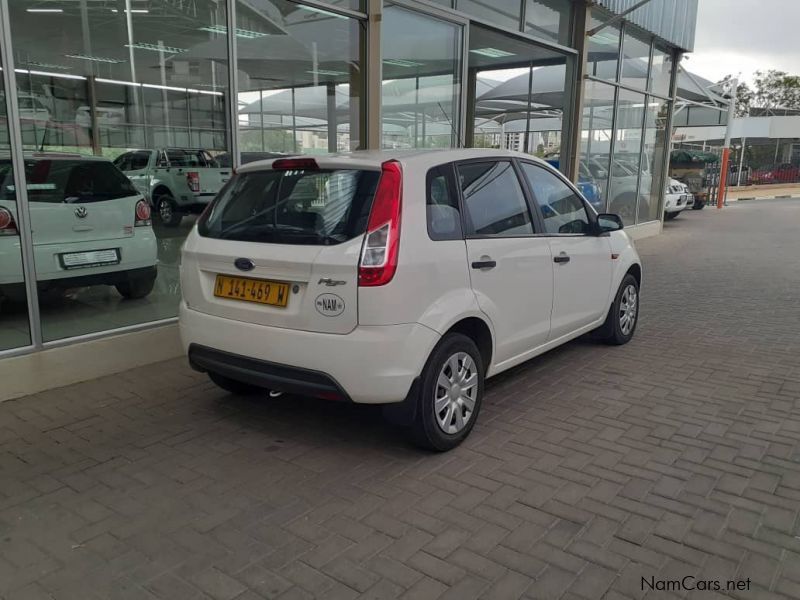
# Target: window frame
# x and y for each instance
(452, 181)
(591, 213)
(534, 218)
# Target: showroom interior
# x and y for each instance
(588, 86)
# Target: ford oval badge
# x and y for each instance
(244, 264)
(329, 305)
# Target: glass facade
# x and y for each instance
(125, 129)
(627, 104)
(420, 91)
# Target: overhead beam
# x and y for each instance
(617, 18)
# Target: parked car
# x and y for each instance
(176, 181)
(399, 278)
(586, 184)
(677, 198)
(109, 116)
(224, 159)
(785, 173)
(90, 227)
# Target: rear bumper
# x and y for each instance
(281, 378)
(369, 365)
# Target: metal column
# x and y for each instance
(233, 85)
(18, 163)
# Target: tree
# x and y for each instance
(772, 90)
(744, 95)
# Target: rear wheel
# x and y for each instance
(237, 388)
(167, 211)
(450, 394)
(623, 316)
(136, 287)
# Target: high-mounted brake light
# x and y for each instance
(142, 214)
(193, 179)
(382, 242)
(295, 164)
(7, 224)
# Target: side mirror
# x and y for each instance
(607, 223)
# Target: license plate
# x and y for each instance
(261, 291)
(92, 258)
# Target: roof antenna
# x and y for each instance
(459, 143)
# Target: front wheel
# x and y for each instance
(623, 315)
(450, 394)
(668, 216)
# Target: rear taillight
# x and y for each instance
(193, 179)
(7, 224)
(142, 214)
(382, 242)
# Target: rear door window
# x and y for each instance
(320, 207)
(444, 217)
(73, 181)
(493, 199)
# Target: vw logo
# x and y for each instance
(81, 212)
(244, 264)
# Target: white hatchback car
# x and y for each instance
(90, 227)
(399, 278)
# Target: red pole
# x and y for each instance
(723, 176)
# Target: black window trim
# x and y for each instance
(535, 225)
(452, 181)
(590, 211)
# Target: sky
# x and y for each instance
(743, 36)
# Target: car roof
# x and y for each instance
(373, 159)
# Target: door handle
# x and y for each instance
(484, 264)
(561, 258)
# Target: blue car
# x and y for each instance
(587, 186)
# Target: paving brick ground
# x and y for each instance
(590, 467)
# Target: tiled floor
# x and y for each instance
(591, 468)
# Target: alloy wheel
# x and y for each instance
(628, 309)
(455, 393)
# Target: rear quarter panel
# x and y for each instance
(432, 284)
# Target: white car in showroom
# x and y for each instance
(399, 278)
(90, 227)
(677, 198)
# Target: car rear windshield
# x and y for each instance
(322, 207)
(68, 181)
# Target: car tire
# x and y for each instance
(455, 360)
(135, 288)
(616, 330)
(167, 211)
(698, 205)
(668, 216)
(237, 388)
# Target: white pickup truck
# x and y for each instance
(176, 181)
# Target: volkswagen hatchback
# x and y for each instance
(90, 227)
(403, 279)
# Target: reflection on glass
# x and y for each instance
(300, 80)
(14, 324)
(421, 75)
(149, 86)
(595, 150)
(626, 162)
(550, 19)
(505, 13)
(603, 51)
(635, 60)
(655, 146)
(661, 72)
(519, 94)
